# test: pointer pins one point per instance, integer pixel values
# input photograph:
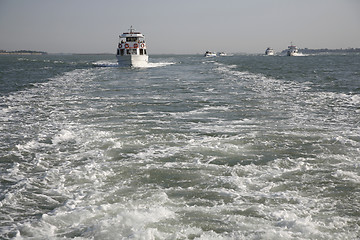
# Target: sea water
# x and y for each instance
(237, 147)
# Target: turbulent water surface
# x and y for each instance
(237, 147)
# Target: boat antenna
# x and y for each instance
(131, 29)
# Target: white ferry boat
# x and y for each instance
(210, 54)
(222, 54)
(292, 50)
(131, 51)
(269, 51)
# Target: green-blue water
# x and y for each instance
(237, 147)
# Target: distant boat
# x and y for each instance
(292, 50)
(210, 54)
(132, 50)
(222, 54)
(269, 51)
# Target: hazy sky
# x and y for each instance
(181, 26)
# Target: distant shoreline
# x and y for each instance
(326, 50)
(22, 52)
(302, 50)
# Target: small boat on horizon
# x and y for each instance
(292, 50)
(210, 54)
(222, 54)
(131, 50)
(269, 51)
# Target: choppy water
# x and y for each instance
(238, 147)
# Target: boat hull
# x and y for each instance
(269, 52)
(133, 60)
(292, 54)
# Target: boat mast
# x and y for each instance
(131, 29)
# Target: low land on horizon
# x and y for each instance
(302, 50)
(326, 50)
(22, 52)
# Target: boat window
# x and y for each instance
(145, 51)
(141, 51)
(127, 51)
(134, 51)
(118, 52)
(122, 52)
(131, 39)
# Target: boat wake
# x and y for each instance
(159, 64)
(149, 65)
(105, 64)
(300, 55)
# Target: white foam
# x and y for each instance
(126, 219)
(118, 180)
(148, 65)
(347, 176)
(105, 64)
(31, 145)
(64, 136)
(159, 64)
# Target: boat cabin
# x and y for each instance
(131, 43)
